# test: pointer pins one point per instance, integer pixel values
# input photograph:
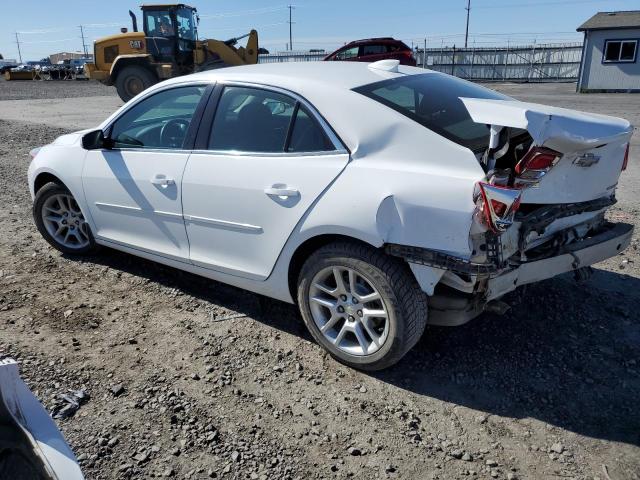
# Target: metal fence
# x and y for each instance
(294, 56)
(529, 63)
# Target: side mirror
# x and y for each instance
(95, 140)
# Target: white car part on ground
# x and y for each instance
(31, 446)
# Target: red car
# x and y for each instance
(374, 49)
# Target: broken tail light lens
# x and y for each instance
(535, 164)
(497, 206)
(625, 162)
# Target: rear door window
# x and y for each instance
(374, 49)
(254, 120)
(251, 120)
(307, 135)
(433, 100)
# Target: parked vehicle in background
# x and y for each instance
(377, 197)
(373, 50)
(6, 66)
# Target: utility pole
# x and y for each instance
(18, 44)
(466, 35)
(84, 45)
(424, 54)
(290, 7)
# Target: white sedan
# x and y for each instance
(378, 197)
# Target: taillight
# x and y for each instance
(535, 164)
(497, 206)
(626, 158)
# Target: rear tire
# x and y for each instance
(133, 80)
(382, 309)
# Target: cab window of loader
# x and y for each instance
(186, 27)
(159, 24)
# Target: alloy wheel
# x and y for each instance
(348, 310)
(64, 221)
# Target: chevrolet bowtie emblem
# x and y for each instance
(586, 160)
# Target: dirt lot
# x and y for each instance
(179, 389)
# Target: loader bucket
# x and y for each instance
(21, 75)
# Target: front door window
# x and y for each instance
(160, 121)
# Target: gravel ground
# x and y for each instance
(30, 90)
(180, 388)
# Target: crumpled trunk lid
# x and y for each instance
(592, 147)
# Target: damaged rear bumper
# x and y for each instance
(572, 257)
(453, 308)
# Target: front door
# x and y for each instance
(134, 189)
(268, 159)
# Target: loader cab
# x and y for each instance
(171, 32)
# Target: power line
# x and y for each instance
(242, 13)
(537, 4)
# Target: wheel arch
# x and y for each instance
(43, 178)
(124, 61)
(309, 246)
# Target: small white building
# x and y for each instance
(610, 53)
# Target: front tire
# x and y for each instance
(60, 221)
(363, 306)
(132, 80)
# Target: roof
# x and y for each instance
(145, 6)
(612, 21)
(306, 76)
(329, 87)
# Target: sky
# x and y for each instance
(49, 26)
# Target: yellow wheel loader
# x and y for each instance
(167, 47)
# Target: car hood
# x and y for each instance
(71, 138)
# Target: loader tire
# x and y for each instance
(133, 80)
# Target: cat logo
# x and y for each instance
(136, 44)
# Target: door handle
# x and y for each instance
(162, 180)
(281, 190)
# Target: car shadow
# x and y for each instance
(565, 354)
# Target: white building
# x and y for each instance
(610, 53)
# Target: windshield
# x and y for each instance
(186, 25)
(433, 100)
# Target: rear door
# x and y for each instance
(265, 160)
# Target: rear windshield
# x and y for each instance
(433, 100)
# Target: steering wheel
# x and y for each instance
(173, 132)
